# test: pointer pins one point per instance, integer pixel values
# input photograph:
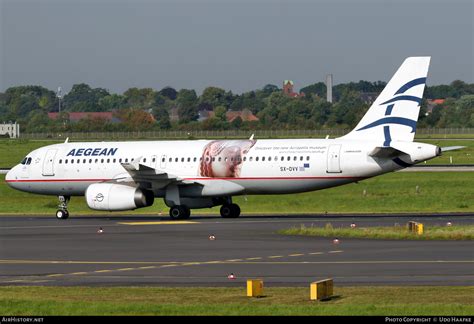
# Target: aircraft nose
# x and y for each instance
(10, 176)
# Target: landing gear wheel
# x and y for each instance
(62, 214)
(230, 211)
(180, 212)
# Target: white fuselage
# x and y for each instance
(261, 167)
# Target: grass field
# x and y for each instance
(394, 192)
(13, 151)
(388, 232)
(24, 301)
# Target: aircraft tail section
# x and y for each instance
(394, 114)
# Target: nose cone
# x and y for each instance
(10, 177)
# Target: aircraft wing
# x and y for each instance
(143, 174)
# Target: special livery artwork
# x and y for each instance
(224, 158)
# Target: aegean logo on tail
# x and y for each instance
(93, 152)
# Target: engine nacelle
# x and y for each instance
(116, 197)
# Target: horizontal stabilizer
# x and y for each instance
(451, 148)
(385, 152)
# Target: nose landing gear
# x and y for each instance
(62, 212)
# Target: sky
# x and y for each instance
(238, 45)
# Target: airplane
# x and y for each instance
(120, 176)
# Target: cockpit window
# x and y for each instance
(28, 161)
(24, 161)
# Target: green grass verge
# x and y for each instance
(389, 193)
(42, 301)
(386, 232)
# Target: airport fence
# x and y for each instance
(209, 134)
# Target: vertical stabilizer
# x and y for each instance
(394, 114)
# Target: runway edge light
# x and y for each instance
(254, 287)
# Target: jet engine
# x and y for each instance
(116, 197)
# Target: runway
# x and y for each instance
(134, 251)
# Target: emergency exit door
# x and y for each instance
(334, 159)
(48, 163)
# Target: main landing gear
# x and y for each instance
(230, 211)
(180, 212)
(62, 212)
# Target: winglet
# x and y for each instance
(251, 137)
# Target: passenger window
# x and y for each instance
(189, 159)
(78, 161)
(269, 158)
(60, 161)
(282, 158)
(101, 160)
(288, 158)
(295, 158)
(170, 160)
(251, 158)
(176, 159)
(72, 161)
(126, 160)
(84, 161)
(90, 160)
(220, 158)
(263, 159)
(65, 161)
(114, 160)
(96, 160)
(301, 158)
(195, 159)
(245, 158)
(307, 158)
(163, 160)
(108, 160)
(153, 160)
(182, 159)
(213, 159)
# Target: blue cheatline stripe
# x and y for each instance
(392, 120)
(401, 163)
(386, 133)
(388, 111)
(411, 84)
(400, 98)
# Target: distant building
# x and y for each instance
(431, 103)
(12, 129)
(246, 115)
(77, 116)
(288, 89)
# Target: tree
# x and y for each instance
(83, 98)
(135, 119)
(162, 117)
(213, 96)
(269, 88)
(220, 113)
(169, 93)
(140, 98)
(187, 106)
